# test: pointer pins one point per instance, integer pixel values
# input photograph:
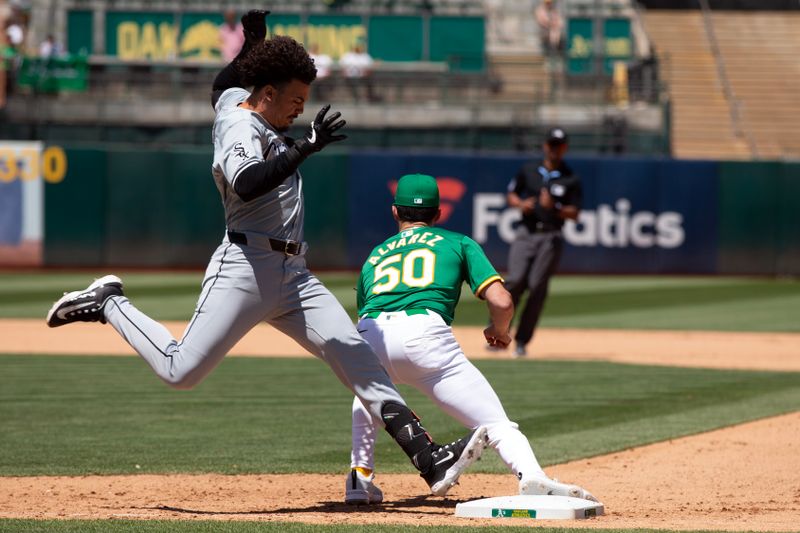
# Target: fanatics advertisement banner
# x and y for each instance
(638, 216)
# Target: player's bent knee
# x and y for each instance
(502, 425)
(183, 381)
(497, 431)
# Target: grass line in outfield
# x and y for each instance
(634, 302)
(217, 526)
(104, 415)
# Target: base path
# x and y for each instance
(742, 478)
(711, 349)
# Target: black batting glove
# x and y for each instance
(254, 24)
(322, 132)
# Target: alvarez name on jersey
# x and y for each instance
(423, 268)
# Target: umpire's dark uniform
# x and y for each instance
(537, 247)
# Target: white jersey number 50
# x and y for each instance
(387, 269)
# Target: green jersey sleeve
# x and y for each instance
(479, 272)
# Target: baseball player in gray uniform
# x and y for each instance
(258, 273)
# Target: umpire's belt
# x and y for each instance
(541, 227)
(409, 312)
(277, 245)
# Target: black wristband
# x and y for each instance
(304, 147)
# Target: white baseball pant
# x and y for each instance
(420, 350)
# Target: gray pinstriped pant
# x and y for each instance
(243, 286)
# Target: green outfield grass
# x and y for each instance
(78, 415)
(73, 415)
(639, 302)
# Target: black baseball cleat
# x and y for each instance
(86, 305)
(448, 462)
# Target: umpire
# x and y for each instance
(547, 193)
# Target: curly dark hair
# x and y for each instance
(275, 62)
(416, 214)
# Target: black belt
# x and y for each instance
(539, 227)
(277, 245)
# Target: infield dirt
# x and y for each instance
(709, 349)
(739, 478)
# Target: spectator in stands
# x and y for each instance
(323, 62)
(50, 48)
(231, 37)
(551, 26)
(357, 70)
(14, 31)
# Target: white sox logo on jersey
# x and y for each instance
(240, 151)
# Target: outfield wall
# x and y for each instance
(132, 207)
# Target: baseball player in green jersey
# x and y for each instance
(407, 295)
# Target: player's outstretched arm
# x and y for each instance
(254, 27)
(260, 178)
(501, 311)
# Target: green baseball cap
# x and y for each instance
(417, 190)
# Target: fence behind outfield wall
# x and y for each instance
(162, 209)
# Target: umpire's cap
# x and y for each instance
(556, 136)
(417, 190)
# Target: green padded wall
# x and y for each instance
(459, 41)
(759, 221)
(80, 29)
(75, 211)
(395, 38)
(134, 207)
(325, 190)
(788, 234)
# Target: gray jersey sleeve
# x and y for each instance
(242, 147)
(240, 137)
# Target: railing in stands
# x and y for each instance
(730, 96)
(109, 77)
